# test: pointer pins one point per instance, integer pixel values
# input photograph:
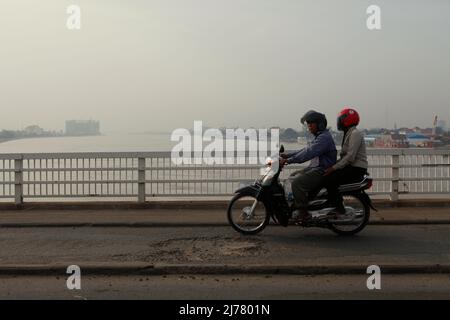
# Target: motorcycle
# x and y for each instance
(252, 206)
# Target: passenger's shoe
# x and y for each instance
(295, 214)
(300, 216)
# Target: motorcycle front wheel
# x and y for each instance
(356, 216)
(247, 215)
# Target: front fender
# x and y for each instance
(251, 190)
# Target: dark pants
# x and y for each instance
(306, 181)
(346, 175)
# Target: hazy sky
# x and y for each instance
(141, 65)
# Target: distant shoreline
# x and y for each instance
(39, 137)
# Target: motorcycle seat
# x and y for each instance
(365, 183)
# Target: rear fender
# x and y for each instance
(366, 199)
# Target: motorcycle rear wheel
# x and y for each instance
(361, 208)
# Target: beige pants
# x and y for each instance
(306, 181)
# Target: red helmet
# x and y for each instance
(346, 118)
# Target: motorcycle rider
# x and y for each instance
(322, 153)
(352, 166)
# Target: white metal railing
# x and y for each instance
(142, 175)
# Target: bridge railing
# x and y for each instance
(145, 175)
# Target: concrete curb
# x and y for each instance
(161, 269)
(117, 205)
(192, 204)
(407, 222)
(112, 225)
(191, 225)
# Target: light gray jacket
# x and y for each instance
(353, 150)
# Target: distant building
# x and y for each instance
(405, 130)
(369, 139)
(442, 124)
(427, 131)
(391, 141)
(419, 140)
(82, 127)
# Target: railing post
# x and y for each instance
(18, 181)
(141, 180)
(445, 160)
(395, 176)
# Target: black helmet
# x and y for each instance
(317, 117)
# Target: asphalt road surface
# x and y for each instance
(232, 287)
(413, 244)
(401, 245)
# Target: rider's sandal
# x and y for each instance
(303, 220)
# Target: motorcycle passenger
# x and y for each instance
(322, 153)
(352, 165)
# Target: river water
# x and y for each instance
(112, 142)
